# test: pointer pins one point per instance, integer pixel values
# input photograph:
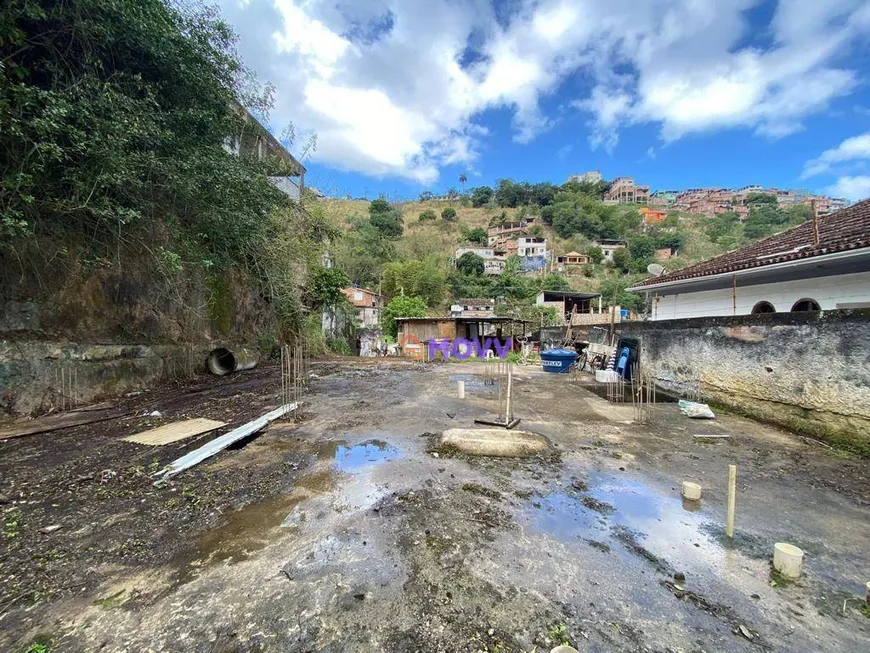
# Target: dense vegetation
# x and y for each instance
(113, 120)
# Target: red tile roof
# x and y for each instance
(840, 231)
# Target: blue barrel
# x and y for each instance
(557, 361)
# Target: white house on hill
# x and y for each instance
(819, 265)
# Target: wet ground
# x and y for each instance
(349, 530)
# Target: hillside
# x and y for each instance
(418, 253)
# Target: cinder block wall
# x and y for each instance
(808, 372)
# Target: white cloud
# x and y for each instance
(852, 149)
(395, 87)
(852, 188)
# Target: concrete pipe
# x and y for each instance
(223, 361)
(691, 491)
(460, 387)
(788, 559)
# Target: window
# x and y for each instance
(763, 307)
(805, 305)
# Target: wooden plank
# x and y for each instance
(174, 432)
(57, 422)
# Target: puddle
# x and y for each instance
(251, 528)
(315, 496)
(356, 457)
(635, 519)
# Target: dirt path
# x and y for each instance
(346, 532)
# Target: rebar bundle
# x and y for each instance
(295, 366)
(615, 387)
(643, 394)
(66, 378)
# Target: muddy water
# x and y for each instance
(341, 483)
(634, 518)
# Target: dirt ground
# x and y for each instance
(347, 529)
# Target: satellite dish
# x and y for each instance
(655, 269)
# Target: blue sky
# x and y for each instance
(406, 95)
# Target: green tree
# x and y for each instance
(426, 196)
(449, 214)
(471, 264)
(402, 306)
(416, 278)
(555, 282)
(477, 235)
(463, 179)
(326, 288)
(595, 254)
(511, 194)
(622, 259)
(481, 196)
(386, 219)
(124, 127)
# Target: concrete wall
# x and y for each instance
(808, 372)
(36, 377)
(829, 292)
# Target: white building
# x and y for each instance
(591, 177)
(795, 270)
(529, 247)
(479, 250)
(607, 247)
(494, 265)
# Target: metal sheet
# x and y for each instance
(220, 443)
(174, 432)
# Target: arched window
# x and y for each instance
(805, 305)
(763, 307)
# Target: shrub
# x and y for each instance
(449, 214)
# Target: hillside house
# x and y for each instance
(367, 306)
(493, 266)
(572, 262)
(818, 265)
(651, 216)
(533, 254)
(607, 247)
(590, 177)
(256, 141)
(506, 230)
(479, 250)
(478, 307)
(624, 191)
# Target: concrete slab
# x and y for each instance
(495, 442)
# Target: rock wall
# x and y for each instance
(36, 377)
(808, 372)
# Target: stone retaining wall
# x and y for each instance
(36, 377)
(808, 372)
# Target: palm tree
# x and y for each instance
(462, 180)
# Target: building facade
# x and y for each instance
(590, 177)
(607, 247)
(624, 191)
(367, 307)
